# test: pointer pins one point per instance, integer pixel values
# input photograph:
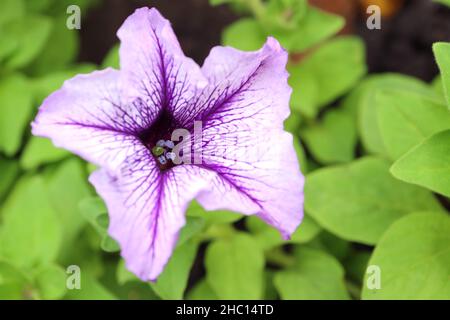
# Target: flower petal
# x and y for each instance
(243, 138)
(153, 63)
(246, 83)
(146, 209)
(89, 117)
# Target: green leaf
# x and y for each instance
(8, 43)
(406, 119)
(414, 257)
(31, 232)
(333, 139)
(356, 265)
(211, 217)
(427, 164)
(9, 169)
(292, 123)
(442, 54)
(234, 267)
(32, 32)
(11, 9)
(268, 237)
(438, 86)
(359, 201)
(301, 155)
(112, 58)
(91, 209)
(364, 98)
(284, 14)
(51, 282)
(40, 151)
(108, 244)
(329, 79)
(219, 2)
(38, 5)
(172, 282)
(304, 98)
(60, 49)
(94, 211)
(123, 275)
(244, 34)
(59, 6)
(201, 291)
(66, 187)
(14, 284)
(193, 226)
(444, 2)
(91, 289)
(337, 247)
(317, 276)
(315, 27)
(15, 112)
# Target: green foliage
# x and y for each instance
(60, 49)
(9, 170)
(15, 110)
(51, 282)
(445, 2)
(295, 24)
(30, 233)
(364, 99)
(427, 164)
(358, 201)
(319, 275)
(245, 34)
(325, 74)
(31, 33)
(333, 139)
(405, 119)
(40, 151)
(413, 256)
(442, 53)
(268, 237)
(202, 291)
(14, 284)
(234, 267)
(172, 283)
(314, 27)
(211, 217)
(112, 58)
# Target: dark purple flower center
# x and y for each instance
(157, 139)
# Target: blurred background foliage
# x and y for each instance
(371, 121)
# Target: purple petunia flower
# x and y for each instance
(123, 121)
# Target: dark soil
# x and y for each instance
(197, 25)
(404, 42)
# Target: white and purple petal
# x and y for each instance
(115, 118)
(147, 210)
(243, 137)
(153, 64)
(91, 117)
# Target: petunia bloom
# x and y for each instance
(123, 120)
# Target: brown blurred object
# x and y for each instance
(345, 8)
(388, 7)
